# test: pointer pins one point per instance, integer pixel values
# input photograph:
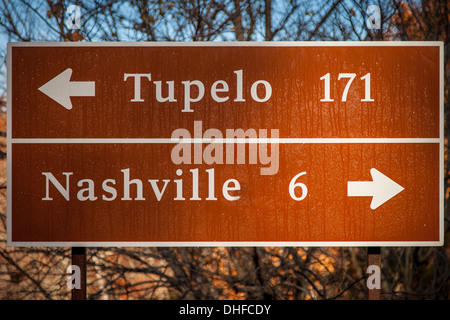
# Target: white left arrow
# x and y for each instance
(381, 189)
(60, 88)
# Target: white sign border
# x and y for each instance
(233, 243)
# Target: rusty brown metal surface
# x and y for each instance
(265, 212)
(79, 259)
(404, 86)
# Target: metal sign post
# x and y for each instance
(374, 259)
(79, 259)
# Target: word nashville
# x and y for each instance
(87, 187)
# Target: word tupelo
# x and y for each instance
(194, 90)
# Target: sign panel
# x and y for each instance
(225, 144)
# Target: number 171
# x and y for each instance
(350, 77)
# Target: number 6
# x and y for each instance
(293, 185)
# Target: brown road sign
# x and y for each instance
(225, 144)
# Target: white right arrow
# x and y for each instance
(381, 189)
(60, 88)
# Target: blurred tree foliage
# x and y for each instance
(223, 273)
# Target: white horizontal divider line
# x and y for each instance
(221, 140)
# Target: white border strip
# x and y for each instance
(224, 140)
(442, 147)
(9, 144)
(235, 44)
(282, 140)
